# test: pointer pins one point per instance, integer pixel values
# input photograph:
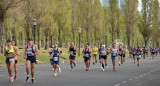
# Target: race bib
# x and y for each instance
(11, 60)
(120, 52)
(86, 55)
(71, 52)
(55, 58)
(114, 54)
(94, 50)
(103, 53)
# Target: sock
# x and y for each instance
(27, 75)
(103, 66)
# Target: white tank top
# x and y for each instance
(114, 52)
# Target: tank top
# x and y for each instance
(55, 55)
(30, 51)
(9, 51)
(114, 52)
(153, 50)
(87, 53)
(56, 52)
(120, 51)
(72, 51)
(138, 52)
(15, 56)
(103, 52)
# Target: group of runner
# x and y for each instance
(31, 50)
(142, 51)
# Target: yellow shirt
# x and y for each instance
(94, 50)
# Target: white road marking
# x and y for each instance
(148, 73)
(140, 75)
(130, 79)
(144, 74)
(136, 77)
(124, 81)
(117, 85)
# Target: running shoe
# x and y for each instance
(27, 79)
(55, 74)
(59, 70)
(106, 67)
(103, 69)
(15, 77)
(33, 80)
(11, 80)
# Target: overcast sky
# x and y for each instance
(140, 5)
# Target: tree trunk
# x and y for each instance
(38, 38)
(46, 39)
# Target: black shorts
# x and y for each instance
(9, 60)
(51, 59)
(124, 55)
(119, 54)
(86, 58)
(72, 57)
(32, 60)
(152, 52)
(16, 61)
(104, 57)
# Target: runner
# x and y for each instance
(15, 57)
(72, 51)
(123, 54)
(94, 52)
(134, 53)
(156, 51)
(114, 53)
(144, 52)
(147, 50)
(104, 54)
(120, 55)
(51, 56)
(139, 53)
(152, 50)
(56, 53)
(31, 51)
(87, 55)
(99, 52)
(10, 52)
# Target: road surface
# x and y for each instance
(128, 74)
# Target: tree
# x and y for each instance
(145, 25)
(130, 12)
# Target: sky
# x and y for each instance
(140, 5)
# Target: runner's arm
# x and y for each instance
(4, 51)
(36, 50)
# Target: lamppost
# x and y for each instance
(106, 38)
(79, 32)
(124, 37)
(137, 40)
(153, 41)
(145, 41)
(34, 24)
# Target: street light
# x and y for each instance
(34, 24)
(106, 38)
(79, 32)
(137, 40)
(124, 37)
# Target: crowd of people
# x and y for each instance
(102, 53)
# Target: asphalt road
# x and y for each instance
(128, 74)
